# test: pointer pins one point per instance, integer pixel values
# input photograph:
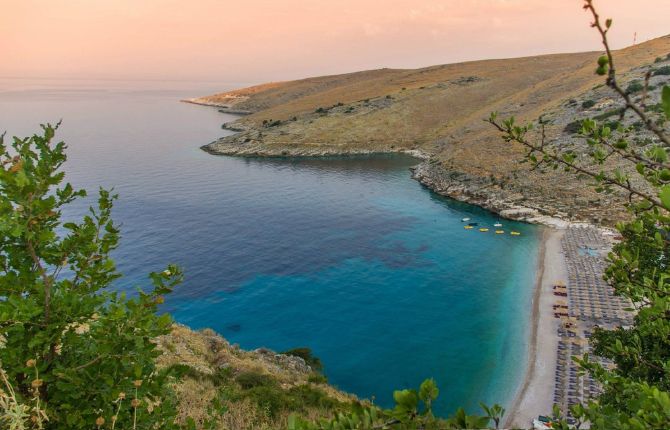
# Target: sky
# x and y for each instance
(271, 40)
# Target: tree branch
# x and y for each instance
(608, 180)
(611, 77)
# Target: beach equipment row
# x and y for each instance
(486, 229)
(497, 225)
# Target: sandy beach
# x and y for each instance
(571, 298)
(535, 394)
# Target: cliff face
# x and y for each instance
(438, 111)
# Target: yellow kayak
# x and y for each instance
(468, 227)
(515, 233)
(500, 231)
(484, 229)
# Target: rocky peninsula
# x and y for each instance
(436, 113)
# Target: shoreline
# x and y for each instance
(534, 395)
(453, 184)
(223, 108)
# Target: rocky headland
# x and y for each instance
(436, 113)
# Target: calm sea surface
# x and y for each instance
(349, 257)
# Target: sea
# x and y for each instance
(349, 257)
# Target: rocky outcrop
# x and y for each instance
(481, 192)
(508, 199)
(206, 352)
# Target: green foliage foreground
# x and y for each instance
(73, 354)
(413, 410)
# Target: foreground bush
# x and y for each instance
(74, 355)
(413, 410)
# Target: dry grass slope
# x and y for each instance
(436, 110)
(259, 389)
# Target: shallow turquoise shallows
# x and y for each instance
(349, 257)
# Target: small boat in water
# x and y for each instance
(497, 224)
(484, 229)
(468, 227)
(465, 219)
(515, 233)
(500, 231)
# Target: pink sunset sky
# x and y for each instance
(264, 40)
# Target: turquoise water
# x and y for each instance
(350, 257)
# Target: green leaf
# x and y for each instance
(21, 178)
(665, 101)
(428, 390)
(664, 194)
(406, 399)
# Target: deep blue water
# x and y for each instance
(349, 257)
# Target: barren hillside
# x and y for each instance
(438, 111)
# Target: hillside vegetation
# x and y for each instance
(254, 389)
(437, 111)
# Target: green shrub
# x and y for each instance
(662, 71)
(613, 125)
(306, 396)
(317, 378)
(270, 398)
(413, 410)
(607, 114)
(251, 379)
(634, 87)
(573, 127)
(657, 107)
(76, 350)
(587, 104)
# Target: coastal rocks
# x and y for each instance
(251, 144)
(480, 192)
(224, 107)
(283, 362)
(206, 352)
(234, 126)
